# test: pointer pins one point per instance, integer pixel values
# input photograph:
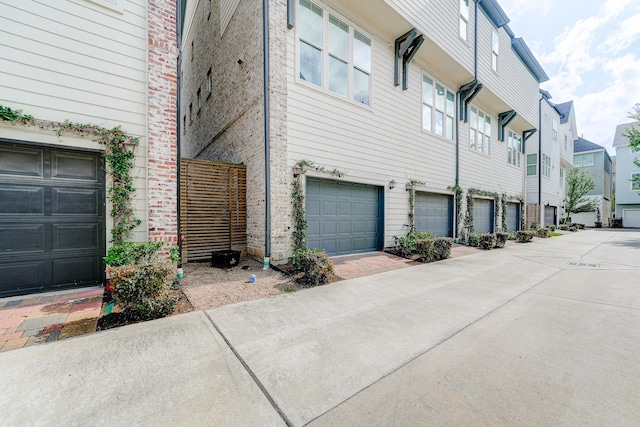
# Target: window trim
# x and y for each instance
(514, 151)
(462, 18)
(495, 50)
(632, 182)
(591, 156)
(486, 152)
(554, 129)
(116, 5)
(352, 68)
(546, 168)
(533, 156)
(446, 114)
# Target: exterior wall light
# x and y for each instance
(409, 186)
(297, 170)
(392, 184)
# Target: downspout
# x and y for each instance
(540, 208)
(475, 41)
(267, 165)
(455, 209)
(178, 123)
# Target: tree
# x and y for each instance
(579, 183)
(633, 133)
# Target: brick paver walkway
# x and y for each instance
(34, 319)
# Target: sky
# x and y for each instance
(590, 49)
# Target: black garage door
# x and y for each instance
(434, 213)
(343, 218)
(483, 215)
(513, 217)
(51, 218)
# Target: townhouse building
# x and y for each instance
(627, 175)
(548, 158)
(105, 62)
(596, 161)
(421, 108)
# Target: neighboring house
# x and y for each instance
(370, 88)
(594, 159)
(105, 62)
(548, 156)
(627, 191)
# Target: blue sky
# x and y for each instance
(591, 52)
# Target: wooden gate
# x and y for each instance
(213, 208)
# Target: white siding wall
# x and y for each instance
(80, 61)
(376, 144)
(551, 147)
(513, 82)
(227, 7)
(625, 167)
(532, 181)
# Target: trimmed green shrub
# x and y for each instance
(524, 236)
(501, 239)
(544, 233)
(487, 241)
(128, 253)
(442, 248)
(407, 244)
(512, 235)
(425, 249)
(535, 225)
(551, 227)
(314, 264)
(474, 239)
(563, 227)
(573, 228)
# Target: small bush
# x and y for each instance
(524, 236)
(314, 264)
(501, 239)
(487, 241)
(563, 227)
(442, 248)
(544, 233)
(573, 228)
(407, 244)
(512, 236)
(580, 226)
(551, 227)
(474, 239)
(535, 225)
(128, 253)
(425, 249)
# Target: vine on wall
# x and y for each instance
(297, 201)
(471, 193)
(412, 204)
(119, 164)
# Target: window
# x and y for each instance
(577, 161)
(532, 164)
(209, 83)
(554, 129)
(438, 108)
(561, 177)
(514, 148)
(546, 166)
(566, 143)
(117, 5)
(480, 134)
(199, 99)
(464, 19)
(331, 50)
(495, 50)
(635, 181)
(588, 159)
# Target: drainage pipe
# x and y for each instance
(267, 165)
(178, 123)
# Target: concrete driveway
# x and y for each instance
(545, 333)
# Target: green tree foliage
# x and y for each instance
(633, 133)
(579, 183)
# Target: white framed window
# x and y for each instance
(554, 129)
(514, 148)
(495, 50)
(635, 181)
(588, 159)
(332, 54)
(117, 5)
(532, 164)
(464, 20)
(546, 166)
(438, 108)
(561, 177)
(480, 132)
(577, 161)
(566, 143)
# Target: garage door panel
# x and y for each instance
(513, 217)
(75, 270)
(16, 199)
(74, 166)
(312, 207)
(71, 201)
(434, 214)
(75, 236)
(16, 238)
(351, 224)
(631, 218)
(483, 216)
(23, 275)
(21, 162)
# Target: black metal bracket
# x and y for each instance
(406, 47)
(467, 92)
(503, 120)
(526, 135)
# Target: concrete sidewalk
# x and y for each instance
(545, 333)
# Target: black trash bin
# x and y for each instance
(225, 259)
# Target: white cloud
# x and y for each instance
(624, 36)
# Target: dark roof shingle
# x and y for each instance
(581, 144)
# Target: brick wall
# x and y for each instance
(162, 136)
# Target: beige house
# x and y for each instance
(425, 96)
(105, 62)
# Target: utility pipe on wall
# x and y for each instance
(267, 165)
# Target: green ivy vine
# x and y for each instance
(412, 204)
(471, 193)
(297, 202)
(458, 193)
(119, 164)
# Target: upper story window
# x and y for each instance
(546, 166)
(561, 178)
(635, 181)
(495, 50)
(584, 160)
(333, 55)
(554, 129)
(464, 20)
(532, 164)
(566, 143)
(438, 108)
(480, 133)
(514, 148)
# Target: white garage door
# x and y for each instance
(631, 218)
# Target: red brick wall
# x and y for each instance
(162, 145)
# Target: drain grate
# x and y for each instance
(583, 264)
